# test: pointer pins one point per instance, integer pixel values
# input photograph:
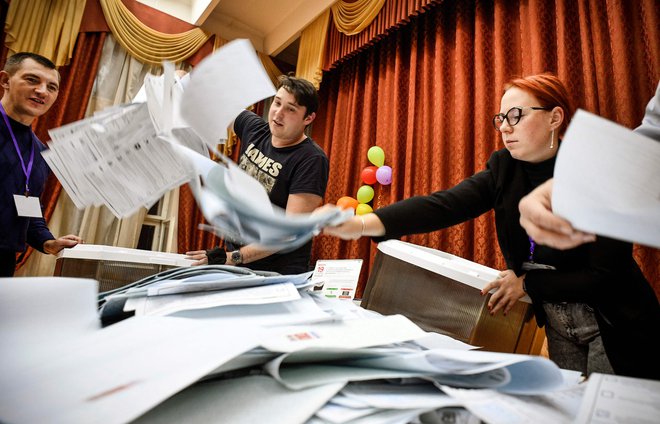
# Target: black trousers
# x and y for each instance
(7, 263)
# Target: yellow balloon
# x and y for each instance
(376, 156)
(365, 194)
(363, 209)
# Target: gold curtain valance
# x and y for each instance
(352, 17)
(47, 27)
(312, 48)
(148, 45)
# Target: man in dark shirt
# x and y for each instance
(31, 85)
(291, 166)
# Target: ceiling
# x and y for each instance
(271, 25)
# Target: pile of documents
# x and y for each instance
(302, 358)
(128, 156)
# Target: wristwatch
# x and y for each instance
(236, 257)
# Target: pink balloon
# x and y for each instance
(384, 175)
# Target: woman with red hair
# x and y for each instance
(578, 294)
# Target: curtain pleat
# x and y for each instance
(351, 17)
(392, 14)
(145, 44)
(312, 47)
(426, 94)
(47, 27)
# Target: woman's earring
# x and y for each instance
(552, 139)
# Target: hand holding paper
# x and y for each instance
(607, 180)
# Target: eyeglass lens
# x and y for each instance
(512, 117)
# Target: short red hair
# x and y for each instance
(550, 92)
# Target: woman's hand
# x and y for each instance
(352, 229)
(508, 289)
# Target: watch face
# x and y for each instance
(236, 257)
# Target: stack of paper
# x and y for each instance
(311, 359)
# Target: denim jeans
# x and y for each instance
(574, 341)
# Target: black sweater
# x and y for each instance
(602, 274)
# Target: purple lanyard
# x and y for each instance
(27, 171)
(532, 245)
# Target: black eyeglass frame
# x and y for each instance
(505, 116)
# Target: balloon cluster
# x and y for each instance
(370, 175)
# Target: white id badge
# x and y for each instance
(28, 206)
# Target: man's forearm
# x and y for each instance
(251, 253)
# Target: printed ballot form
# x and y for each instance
(607, 180)
(613, 399)
(338, 277)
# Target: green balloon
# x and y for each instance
(376, 156)
(365, 194)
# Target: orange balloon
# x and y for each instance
(347, 202)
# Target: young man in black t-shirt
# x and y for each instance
(291, 166)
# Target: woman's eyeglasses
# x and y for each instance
(513, 115)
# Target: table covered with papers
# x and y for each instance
(261, 349)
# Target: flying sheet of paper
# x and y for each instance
(116, 159)
(126, 157)
(607, 180)
(238, 208)
(221, 86)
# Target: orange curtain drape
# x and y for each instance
(393, 14)
(426, 92)
(75, 88)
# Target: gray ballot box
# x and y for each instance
(114, 267)
(441, 292)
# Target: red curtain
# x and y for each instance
(75, 89)
(426, 93)
(394, 13)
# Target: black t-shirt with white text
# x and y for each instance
(298, 169)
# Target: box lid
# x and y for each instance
(123, 254)
(448, 265)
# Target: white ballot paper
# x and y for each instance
(115, 159)
(221, 86)
(239, 210)
(607, 180)
(614, 399)
(493, 407)
(58, 366)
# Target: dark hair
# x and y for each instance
(549, 90)
(14, 62)
(303, 91)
